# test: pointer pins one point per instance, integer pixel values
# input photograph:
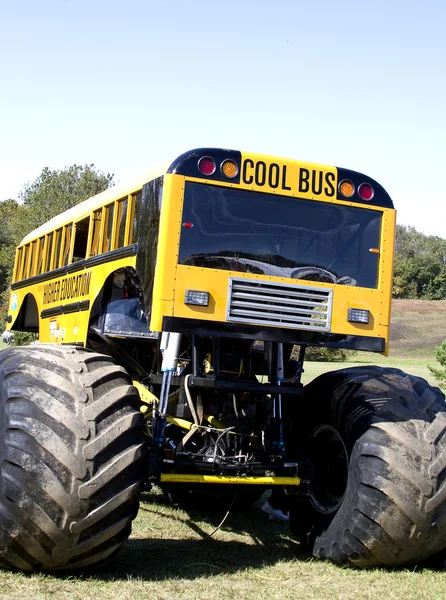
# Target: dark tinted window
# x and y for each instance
(80, 239)
(122, 216)
(107, 240)
(239, 230)
(135, 210)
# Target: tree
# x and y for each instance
(8, 210)
(420, 265)
(55, 191)
(10, 219)
(440, 355)
(50, 194)
(324, 354)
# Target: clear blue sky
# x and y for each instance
(127, 84)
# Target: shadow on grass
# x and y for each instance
(158, 559)
(191, 559)
(265, 543)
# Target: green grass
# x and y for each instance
(169, 557)
(417, 326)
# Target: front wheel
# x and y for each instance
(71, 457)
(376, 440)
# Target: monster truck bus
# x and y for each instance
(167, 313)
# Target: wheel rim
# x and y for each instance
(329, 458)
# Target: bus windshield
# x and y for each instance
(253, 232)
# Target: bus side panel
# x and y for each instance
(64, 304)
(386, 270)
(167, 253)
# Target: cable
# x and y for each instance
(224, 432)
(209, 535)
(189, 400)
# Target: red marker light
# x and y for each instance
(206, 165)
(366, 192)
(188, 225)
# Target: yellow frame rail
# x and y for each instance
(228, 479)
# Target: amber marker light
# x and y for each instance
(346, 188)
(229, 169)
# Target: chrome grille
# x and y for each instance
(294, 306)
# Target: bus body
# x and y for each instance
(203, 283)
(271, 227)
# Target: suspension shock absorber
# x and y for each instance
(279, 441)
(170, 347)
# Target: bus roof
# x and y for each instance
(83, 209)
(187, 164)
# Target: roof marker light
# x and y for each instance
(229, 168)
(366, 192)
(346, 188)
(206, 165)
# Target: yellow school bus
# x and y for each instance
(333, 233)
(173, 316)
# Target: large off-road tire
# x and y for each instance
(71, 457)
(377, 442)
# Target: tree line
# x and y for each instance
(420, 260)
(50, 194)
(420, 265)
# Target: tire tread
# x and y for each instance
(394, 427)
(65, 410)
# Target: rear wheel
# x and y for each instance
(71, 457)
(377, 445)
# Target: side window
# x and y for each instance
(33, 258)
(58, 243)
(136, 199)
(26, 261)
(18, 264)
(108, 228)
(41, 256)
(121, 217)
(97, 220)
(49, 249)
(80, 239)
(67, 244)
(21, 274)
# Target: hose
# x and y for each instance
(189, 400)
